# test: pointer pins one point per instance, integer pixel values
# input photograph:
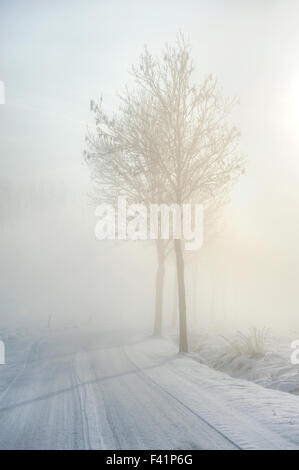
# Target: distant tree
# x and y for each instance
(120, 160)
(168, 143)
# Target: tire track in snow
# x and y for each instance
(81, 394)
(149, 379)
(32, 348)
(257, 435)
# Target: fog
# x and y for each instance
(55, 57)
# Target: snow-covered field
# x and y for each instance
(253, 355)
(79, 390)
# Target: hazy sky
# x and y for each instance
(55, 55)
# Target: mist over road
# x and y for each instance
(77, 390)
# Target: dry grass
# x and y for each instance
(253, 343)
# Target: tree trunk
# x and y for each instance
(194, 282)
(175, 302)
(182, 296)
(159, 287)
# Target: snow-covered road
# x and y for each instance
(80, 391)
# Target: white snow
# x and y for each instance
(80, 390)
(271, 368)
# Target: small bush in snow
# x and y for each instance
(252, 343)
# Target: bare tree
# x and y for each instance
(169, 143)
(120, 161)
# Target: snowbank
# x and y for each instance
(268, 364)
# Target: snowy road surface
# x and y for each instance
(84, 391)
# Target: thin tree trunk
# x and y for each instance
(183, 339)
(194, 282)
(159, 287)
(175, 301)
(212, 304)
